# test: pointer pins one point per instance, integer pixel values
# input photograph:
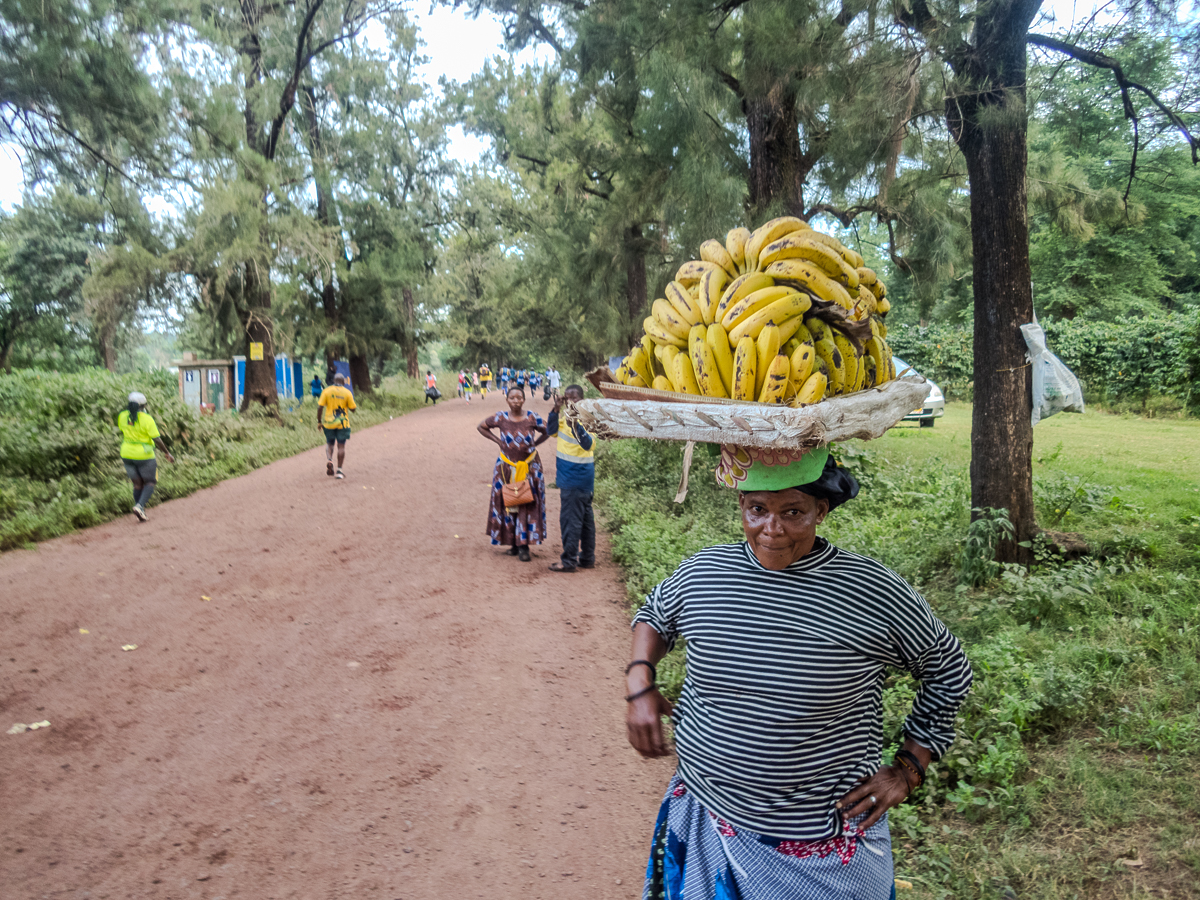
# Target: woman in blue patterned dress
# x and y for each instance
(517, 433)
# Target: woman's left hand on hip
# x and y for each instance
(875, 795)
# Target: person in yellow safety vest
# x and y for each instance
(575, 476)
(485, 377)
(139, 437)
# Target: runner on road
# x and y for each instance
(333, 418)
(139, 438)
(485, 377)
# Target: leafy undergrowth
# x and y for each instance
(60, 466)
(1072, 775)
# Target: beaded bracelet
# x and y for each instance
(908, 760)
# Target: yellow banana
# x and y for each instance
(775, 381)
(876, 328)
(813, 390)
(829, 241)
(688, 309)
(879, 289)
(740, 288)
(715, 252)
(818, 330)
(874, 348)
(801, 360)
(662, 384)
(668, 361)
(637, 381)
(789, 327)
(867, 276)
(718, 339)
(745, 361)
(661, 335)
(785, 312)
(624, 374)
(789, 346)
(735, 246)
(637, 362)
(669, 319)
(852, 257)
(768, 348)
(849, 360)
(771, 231)
(872, 371)
(827, 350)
(867, 300)
(810, 276)
(803, 334)
(691, 271)
(712, 285)
(652, 362)
(883, 306)
(704, 364)
(752, 303)
(685, 377)
(800, 245)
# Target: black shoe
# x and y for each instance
(559, 567)
(584, 565)
(512, 551)
(523, 553)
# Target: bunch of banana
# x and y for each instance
(745, 321)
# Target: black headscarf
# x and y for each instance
(836, 485)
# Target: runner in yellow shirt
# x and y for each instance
(139, 437)
(485, 377)
(333, 418)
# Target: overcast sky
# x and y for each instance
(457, 47)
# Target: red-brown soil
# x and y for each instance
(374, 703)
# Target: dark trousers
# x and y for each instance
(578, 527)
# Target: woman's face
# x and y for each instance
(781, 526)
(516, 400)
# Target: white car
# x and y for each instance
(935, 403)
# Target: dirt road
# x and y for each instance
(340, 689)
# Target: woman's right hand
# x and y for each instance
(643, 724)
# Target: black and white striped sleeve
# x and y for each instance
(934, 656)
(663, 607)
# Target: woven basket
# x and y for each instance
(627, 412)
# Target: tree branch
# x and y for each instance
(1125, 83)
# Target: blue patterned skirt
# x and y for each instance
(697, 855)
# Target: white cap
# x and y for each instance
(137, 397)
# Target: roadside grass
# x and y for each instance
(1073, 773)
(60, 468)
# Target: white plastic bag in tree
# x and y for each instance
(1055, 387)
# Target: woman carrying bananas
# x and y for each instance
(517, 433)
(780, 791)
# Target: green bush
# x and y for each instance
(60, 463)
(1149, 364)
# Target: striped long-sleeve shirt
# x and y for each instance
(781, 709)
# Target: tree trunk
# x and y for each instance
(260, 373)
(990, 127)
(360, 373)
(410, 333)
(6, 357)
(777, 168)
(108, 351)
(635, 280)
